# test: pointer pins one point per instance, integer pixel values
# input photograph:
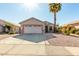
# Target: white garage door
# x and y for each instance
(32, 29)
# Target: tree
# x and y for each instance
(54, 8)
(7, 28)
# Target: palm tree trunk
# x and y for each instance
(54, 22)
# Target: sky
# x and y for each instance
(17, 12)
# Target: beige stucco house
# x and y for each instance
(3, 29)
(33, 25)
(75, 24)
(16, 28)
(2, 24)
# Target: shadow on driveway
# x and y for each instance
(34, 37)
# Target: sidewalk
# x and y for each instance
(38, 49)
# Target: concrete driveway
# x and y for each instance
(36, 38)
(26, 39)
(64, 40)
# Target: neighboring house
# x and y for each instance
(75, 24)
(16, 28)
(3, 29)
(33, 25)
(2, 24)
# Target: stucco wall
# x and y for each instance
(2, 22)
(77, 26)
(32, 22)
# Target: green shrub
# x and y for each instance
(59, 30)
(67, 32)
(77, 32)
(73, 30)
(11, 32)
(68, 29)
(77, 29)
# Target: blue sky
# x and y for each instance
(16, 13)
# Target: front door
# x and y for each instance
(46, 29)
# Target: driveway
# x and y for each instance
(26, 39)
(36, 38)
(64, 40)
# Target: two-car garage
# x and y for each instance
(32, 29)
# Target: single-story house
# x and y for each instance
(4, 23)
(34, 25)
(16, 28)
(75, 24)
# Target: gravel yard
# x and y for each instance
(63, 40)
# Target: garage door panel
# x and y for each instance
(33, 29)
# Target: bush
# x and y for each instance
(68, 29)
(73, 30)
(58, 30)
(11, 32)
(77, 29)
(66, 32)
(77, 32)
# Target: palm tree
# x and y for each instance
(54, 8)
